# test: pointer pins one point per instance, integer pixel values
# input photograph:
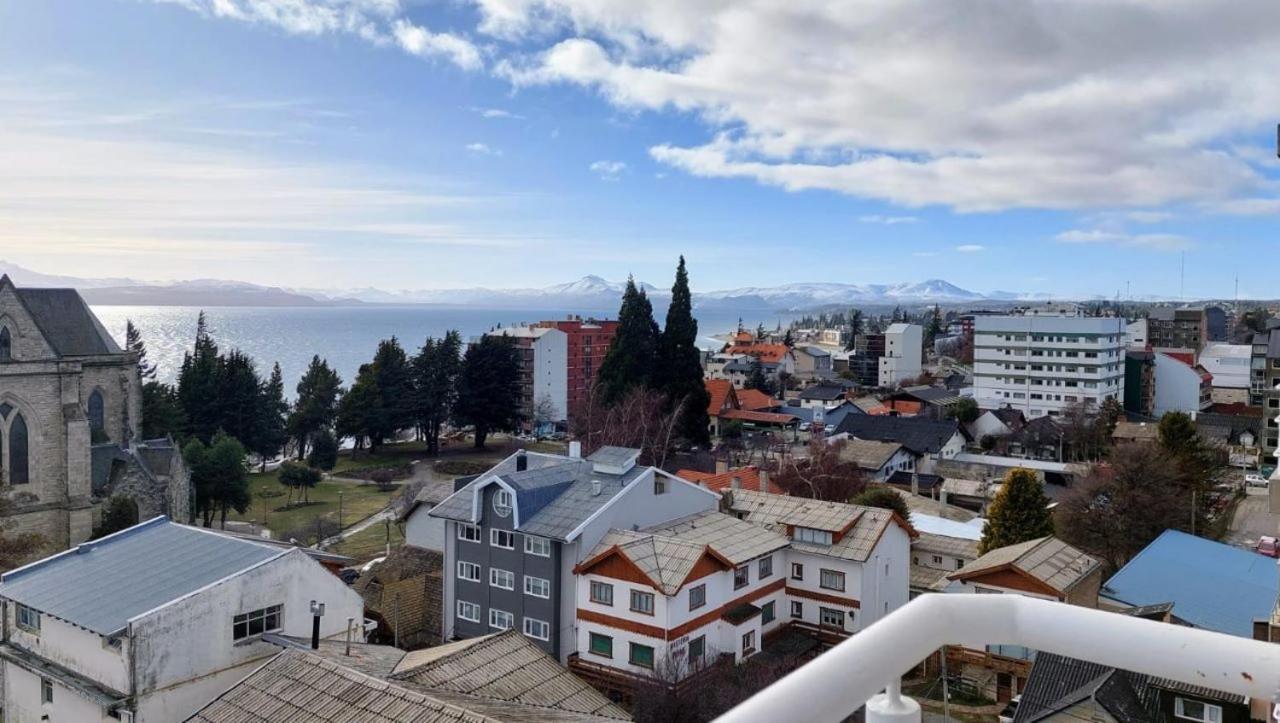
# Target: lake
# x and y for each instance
(347, 336)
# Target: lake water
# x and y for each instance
(346, 336)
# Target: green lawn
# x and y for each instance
(269, 503)
(370, 542)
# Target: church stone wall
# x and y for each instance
(34, 389)
(28, 342)
(116, 383)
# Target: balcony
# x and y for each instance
(839, 682)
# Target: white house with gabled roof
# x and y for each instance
(153, 622)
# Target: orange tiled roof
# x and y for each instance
(755, 400)
(748, 476)
(760, 417)
(764, 352)
(721, 392)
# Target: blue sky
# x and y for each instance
(1067, 148)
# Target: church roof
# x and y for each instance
(65, 321)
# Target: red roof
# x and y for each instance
(763, 352)
(747, 415)
(721, 393)
(755, 400)
(748, 476)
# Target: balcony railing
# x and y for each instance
(837, 683)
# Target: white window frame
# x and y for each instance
(468, 566)
(591, 593)
(642, 596)
(532, 545)
(495, 615)
(503, 502)
(765, 567)
(464, 606)
(463, 527)
(496, 572)
(812, 536)
(530, 582)
(46, 691)
(797, 609)
(823, 612)
(836, 574)
(29, 614)
(546, 628)
(266, 614)
(702, 595)
(1212, 713)
(495, 533)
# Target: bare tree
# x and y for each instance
(641, 420)
(823, 474)
(16, 548)
(544, 410)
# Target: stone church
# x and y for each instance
(70, 417)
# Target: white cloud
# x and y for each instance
(1071, 104)
(970, 248)
(381, 22)
(484, 149)
(888, 220)
(497, 113)
(608, 170)
(1248, 206)
(1156, 241)
(924, 254)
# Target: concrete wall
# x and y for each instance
(1177, 386)
(551, 371)
(423, 530)
(73, 648)
(23, 702)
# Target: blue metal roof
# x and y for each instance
(101, 585)
(1211, 585)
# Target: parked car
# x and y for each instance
(1007, 715)
(1268, 546)
(805, 426)
(1255, 480)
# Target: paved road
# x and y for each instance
(1253, 520)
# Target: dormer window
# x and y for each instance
(502, 503)
(808, 534)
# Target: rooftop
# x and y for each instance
(869, 454)
(102, 585)
(776, 512)
(748, 478)
(65, 321)
(1047, 559)
(918, 434)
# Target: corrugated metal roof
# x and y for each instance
(775, 512)
(101, 585)
(869, 454)
(1211, 585)
(1047, 559)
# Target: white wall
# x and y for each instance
(902, 354)
(1177, 386)
(551, 370)
(1228, 363)
(23, 702)
(74, 648)
(423, 530)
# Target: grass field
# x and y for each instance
(370, 542)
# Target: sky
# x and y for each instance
(1074, 147)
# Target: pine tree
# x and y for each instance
(633, 353)
(934, 329)
(238, 408)
(395, 388)
(1019, 512)
(359, 407)
(680, 366)
(489, 387)
(435, 375)
(316, 405)
(198, 385)
(855, 328)
(272, 415)
(133, 342)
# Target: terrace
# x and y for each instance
(866, 668)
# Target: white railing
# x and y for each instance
(835, 684)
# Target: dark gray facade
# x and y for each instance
(516, 561)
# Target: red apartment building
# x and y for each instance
(588, 342)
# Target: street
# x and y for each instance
(1253, 520)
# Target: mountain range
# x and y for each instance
(590, 293)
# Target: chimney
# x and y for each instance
(915, 483)
(522, 461)
(317, 612)
(735, 482)
(722, 466)
(942, 499)
(595, 488)
(764, 480)
(575, 450)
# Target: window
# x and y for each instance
(501, 619)
(46, 690)
(830, 617)
(28, 619)
(539, 546)
(537, 629)
(741, 576)
(937, 559)
(537, 586)
(468, 571)
(797, 571)
(504, 579)
(601, 592)
(697, 648)
(697, 596)
(1188, 709)
(766, 567)
(748, 643)
(832, 580)
(502, 538)
(256, 622)
(468, 533)
(808, 534)
(766, 613)
(601, 645)
(19, 473)
(642, 602)
(659, 485)
(797, 609)
(6, 344)
(96, 412)
(641, 655)
(468, 611)
(502, 503)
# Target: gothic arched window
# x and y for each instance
(97, 421)
(6, 345)
(19, 471)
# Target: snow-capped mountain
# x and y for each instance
(803, 296)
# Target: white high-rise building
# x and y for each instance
(1044, 364)
(902, 354)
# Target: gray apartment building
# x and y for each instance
(1264, 388)
(514, 535)
(1172, 328)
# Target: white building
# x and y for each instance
(1180, 387)
(153, 622)
(902, 354)
(1044, 364)
(544, 370)
(1135, 334)
(1229, 365)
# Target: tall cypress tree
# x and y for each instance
(680, 368)
(317, 403)
(198, 385)
(1020, 512)
(631, 358)
(133, 342)
(271, 435)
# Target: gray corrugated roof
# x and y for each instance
(918, 434)
(614, 455)
(775, 512)
(1048, 559)
(66, 322)
(554, 518)
(101, 585)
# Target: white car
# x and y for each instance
(1255, 480)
